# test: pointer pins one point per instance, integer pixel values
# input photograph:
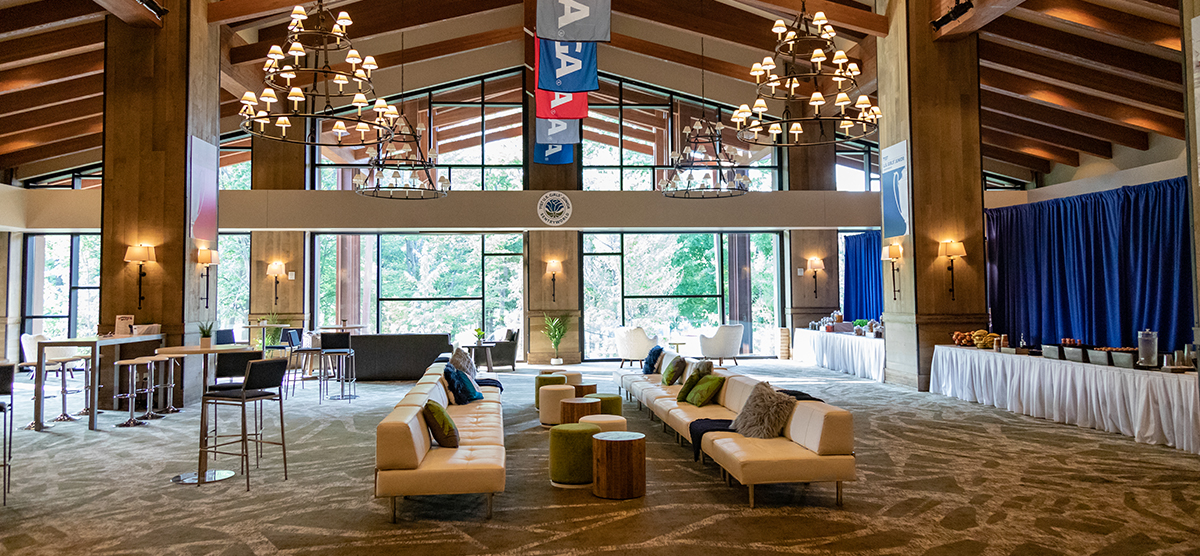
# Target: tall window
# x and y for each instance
(62, 285)
(475, 128)
(233, 282)
(235, 162)
(631, 130)
(420, 283)
(680, 285)
(855, 162)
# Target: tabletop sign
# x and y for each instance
(124, 324)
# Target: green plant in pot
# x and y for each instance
(206, 330)
(556, 329)
(272, 336)
(478, 336)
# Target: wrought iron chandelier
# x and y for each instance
(308, 80)
(801, 53)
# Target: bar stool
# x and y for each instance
(6, 389)
(261, 377)
(168, 382)
(154, 381)
(87, 389)
(65, 416)
(132, 366)
(299, 361)
(335, 350)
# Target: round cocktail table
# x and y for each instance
(574, 408)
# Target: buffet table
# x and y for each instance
(1152, 406)
(857, 355)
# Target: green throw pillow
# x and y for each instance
(705, 390)
(673, 371)
(703, 369)
(441, 426)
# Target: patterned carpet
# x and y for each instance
(937, 476)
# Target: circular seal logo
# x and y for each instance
(554, 208)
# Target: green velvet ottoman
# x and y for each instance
(610, 404)
(545, 380)
(571, 455)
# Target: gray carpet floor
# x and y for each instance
(936, 476)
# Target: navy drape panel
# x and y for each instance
(864, 279)
(1097, 267)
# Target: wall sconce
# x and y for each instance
(276, 269)
(553, 267)
(815, 264)
(208, 258)
(953, 250)
(140, 254)
(891, 253)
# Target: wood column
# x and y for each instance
(10, 300)
(929, 95)
(812, 169)
(162, 119)
(560, 297)
(278, 165)
(1189, 10)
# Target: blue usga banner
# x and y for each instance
(556, 132)
(553, 154)
(574, 20)
(567, 67)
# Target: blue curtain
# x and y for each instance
(1096, 267)
(864, 277)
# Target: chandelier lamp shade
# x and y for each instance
(814, 77)
(706, 169)
(402, 169)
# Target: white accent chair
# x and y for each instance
(725, 343)
(633, 344)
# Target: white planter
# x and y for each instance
(205, 342)
(556, 361)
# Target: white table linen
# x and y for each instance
(1151, 406)
(857, 355)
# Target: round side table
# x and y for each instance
(574, 408)
(619, 465)
(582, 390)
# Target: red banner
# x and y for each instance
(557, 106)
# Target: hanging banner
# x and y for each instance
(894, 189)
(562, 106)
(557, 132)
(553, 154)
(574, 20)
(567, 67)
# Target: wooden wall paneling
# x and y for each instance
(288, 248)
(805, 306)
(278, 165)
(563, 297)
(1189, 10)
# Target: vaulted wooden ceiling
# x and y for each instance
(1058, 78)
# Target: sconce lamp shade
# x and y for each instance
(276, 269)
(951, 249)
(208, 257)
(554, 266)
(139, 254)
(890, 252)
(815, 264)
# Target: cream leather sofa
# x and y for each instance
(409, 463)
(817, 444)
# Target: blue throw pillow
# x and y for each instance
(464, 392)
(648, 366)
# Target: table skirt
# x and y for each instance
(857, 355)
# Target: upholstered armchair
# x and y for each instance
(633, 344)
(504, 352)
(725, 343)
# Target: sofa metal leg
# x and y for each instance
(701, 458)
(392, 499)
(839, 493)
(664, 426)
(639, 405)
(489, 504)
(728, 479)
(751, 496)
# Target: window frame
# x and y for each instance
(73, 287)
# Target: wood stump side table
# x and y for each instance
(574, 408)
(582, 390)
(619, 465)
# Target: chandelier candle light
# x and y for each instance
(809, 60)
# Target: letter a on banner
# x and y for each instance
(555, 105)
(557, 132)
(567, 67)
(574, 20)
(553, 154)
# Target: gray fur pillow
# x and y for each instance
(463, 362)
(765, 413)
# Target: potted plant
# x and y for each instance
(555, 330)
(478, 336)
(206, 329)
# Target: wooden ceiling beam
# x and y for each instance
(1065, 74)
(1103, 23)
(1031, 147)
(1020, 159)
(132, 12)
(984, 12)
(1162, 11)
(999, 121)
(48, 95)
(1061, 119)
(51, 45)
(60, 132)
(46, 15)
(54, 71)
(590, 135)
(232, 11)
(51, 150)
(1074, 101)
(229, 158)
(1089, 53)
(681, 57)
(238, 80)
(51, 116)
(716, 20)
(841, 15)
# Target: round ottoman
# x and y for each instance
(544, 380)
(610, 404)
(605, 422)
(550, 412)
(571, 455)
(550, 371)
(573, 377)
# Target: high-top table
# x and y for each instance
(487, 351)
(264, 328)
(94, 343)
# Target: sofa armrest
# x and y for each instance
(822, 428)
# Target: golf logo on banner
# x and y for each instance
(574, 20)
(553, 154)
(564, 106)
(567, 67)
(557, 132)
